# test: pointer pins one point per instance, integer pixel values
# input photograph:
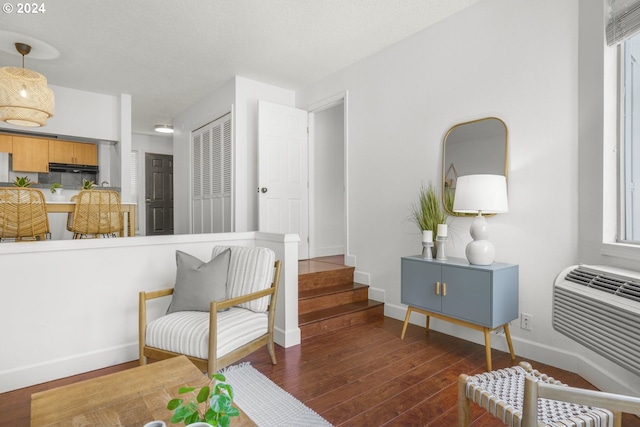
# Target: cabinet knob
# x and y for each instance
(444, 289)
(437, 288)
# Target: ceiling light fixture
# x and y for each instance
(164, 128)
(25, 98)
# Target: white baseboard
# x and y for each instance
(287, 338)
(328, 251)
(29, 375)
(618, 381)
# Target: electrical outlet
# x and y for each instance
(525, 321)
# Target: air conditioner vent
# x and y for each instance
(623, 287)
(599, 307)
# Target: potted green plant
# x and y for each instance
(56, 188)
(87, 185)
(428, 211)
(213, 404)
(22, 181)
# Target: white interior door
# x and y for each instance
(283, 193)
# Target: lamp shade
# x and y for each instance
(481, 193)
(25, 98)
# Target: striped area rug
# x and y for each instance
(266, 403)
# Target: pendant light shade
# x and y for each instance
(25, 98)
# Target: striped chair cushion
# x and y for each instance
(187, 332)
(250, 270)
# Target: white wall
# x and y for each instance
(81, 114)
(516, 60)
(208, 109)
(76, 302)
(239, 95)
(327, 182)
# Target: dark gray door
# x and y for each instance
(159, 193)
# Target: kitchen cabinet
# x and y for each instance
(76, 153)
(6, 143)
(30, 154)
(483, 298)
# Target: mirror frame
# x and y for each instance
(444, 190)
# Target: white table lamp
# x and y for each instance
(481, 194)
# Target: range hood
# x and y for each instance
(66, 167)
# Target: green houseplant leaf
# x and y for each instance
(428, 211)
(218, 404)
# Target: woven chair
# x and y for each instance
(70, 215)
(524, 397)
(98, 213)
(23, 214)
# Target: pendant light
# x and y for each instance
(25, 98)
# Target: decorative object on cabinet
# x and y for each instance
(483, 298)
(481, 194)
(474, 147)
(427, 213)
(25, 98)
(427, 244)
(441, 238)
(22, 181)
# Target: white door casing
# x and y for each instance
(283, 193)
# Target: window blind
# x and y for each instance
(624, 20)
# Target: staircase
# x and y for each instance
(328, 298)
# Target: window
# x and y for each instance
(623, 29)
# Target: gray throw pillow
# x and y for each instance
(198, 283)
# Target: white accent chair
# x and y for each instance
(231, 329)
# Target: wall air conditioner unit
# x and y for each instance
(599, 307)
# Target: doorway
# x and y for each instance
(158, 194)
(327, 181)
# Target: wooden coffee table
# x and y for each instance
(128, 398)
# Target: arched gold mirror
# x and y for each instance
(476, 147)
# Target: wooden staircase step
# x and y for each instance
(330, 319)
(331, 276)
(330, 296)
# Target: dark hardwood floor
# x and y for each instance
(358, 376)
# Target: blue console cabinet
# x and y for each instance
(481, 297)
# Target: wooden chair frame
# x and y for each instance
(534, 389)
(213, 364)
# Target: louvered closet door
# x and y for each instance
(212, 177)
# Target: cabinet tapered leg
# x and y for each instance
(509, 343)
(487, 347)
(406, 322)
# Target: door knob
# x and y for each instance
(263, 190)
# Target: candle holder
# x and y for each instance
(441, 256)
(427, 252)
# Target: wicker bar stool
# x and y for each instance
(521, 396)
(97, 213)
(23, 214)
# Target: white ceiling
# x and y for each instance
(168, 54)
